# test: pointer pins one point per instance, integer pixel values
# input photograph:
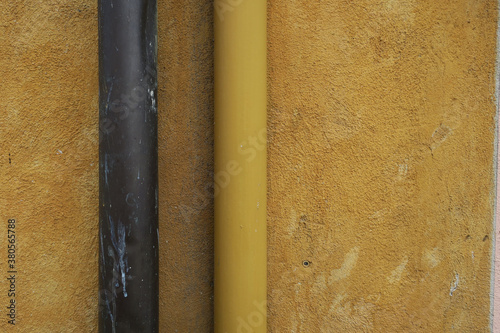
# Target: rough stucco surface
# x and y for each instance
(49, 162)
(381, 132)
(381, 165)
(185, 93)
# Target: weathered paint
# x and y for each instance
(381, 144)
(381, 128)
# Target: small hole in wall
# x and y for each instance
(306, 263)
(485, 238)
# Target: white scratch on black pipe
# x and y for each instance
(156, 199)
(119, 245)
(109, 97)
(112, 313)
(106, 170)
(102, 251)
(153, 100)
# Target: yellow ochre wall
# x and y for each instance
(381, 129)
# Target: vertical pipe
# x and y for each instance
(240, 166)
(128, 171)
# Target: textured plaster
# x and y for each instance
(381, 129)
(185, 93)
(381, 144)
(49, 163)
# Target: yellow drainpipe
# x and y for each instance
(240, 166)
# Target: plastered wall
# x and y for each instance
(381, 172)
(382, 127)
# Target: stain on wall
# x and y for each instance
(381, 140)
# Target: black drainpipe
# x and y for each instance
(128, 167)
